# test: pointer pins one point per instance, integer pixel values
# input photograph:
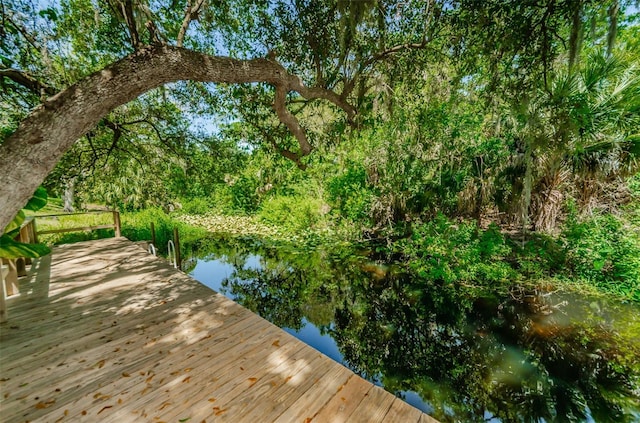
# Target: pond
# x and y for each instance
(451, 351)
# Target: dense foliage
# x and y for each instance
(518, 116)
(463, 162)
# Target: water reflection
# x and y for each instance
(459, 354)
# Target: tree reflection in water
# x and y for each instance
(471, 356)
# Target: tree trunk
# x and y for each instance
(68, 196)
(28, 155)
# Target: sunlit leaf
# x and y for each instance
(12, 249)
(38, 201)
(49, 13)
(14, 226)
(45, 404)
(5, 60)
(598, 264)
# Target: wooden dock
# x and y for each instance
(103, 331)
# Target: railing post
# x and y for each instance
(153, 234)
(25, 236)
(116, 223)
(21, 266)
(34, 229)
(3, 305)
(4, 271)
(10, 277)
(176, 241)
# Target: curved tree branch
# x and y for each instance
(294, 157)
(382, 55)
(190, 14)
(27, 156)
(385, 53)
(286, 117)
(22, 30)
(28, 81)
(126, 7)
(157, 131)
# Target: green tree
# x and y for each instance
(285, 56)
(576, 138)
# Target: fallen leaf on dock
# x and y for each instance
(45, 404)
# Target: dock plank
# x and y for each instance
(401, 412)
(374, 407)
(103, 331)
(243, 378)
(345, 401)
(325, 383)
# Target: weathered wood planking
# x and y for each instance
(103, 331)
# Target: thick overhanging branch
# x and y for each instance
(28, 155)
(286, 117)
(269, 134)
(311, 93)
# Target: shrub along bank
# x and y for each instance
(600, 254)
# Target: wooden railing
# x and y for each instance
(115, 225)
(11, 269)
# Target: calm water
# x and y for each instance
(456, 354)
